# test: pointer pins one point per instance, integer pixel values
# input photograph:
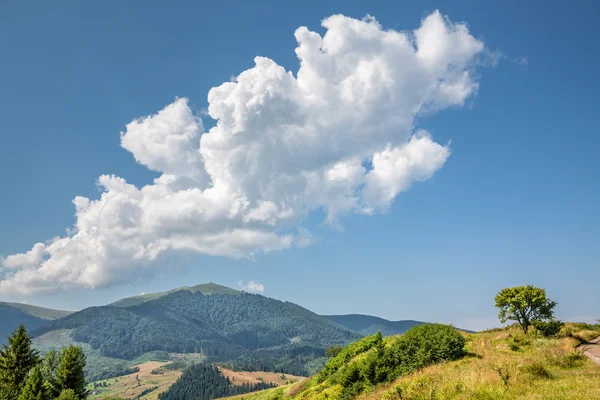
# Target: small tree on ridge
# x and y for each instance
(524, 304)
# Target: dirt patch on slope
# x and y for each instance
(591, 350)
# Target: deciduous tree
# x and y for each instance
(524, 304)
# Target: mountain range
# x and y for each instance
(14, 314)
(213, 322)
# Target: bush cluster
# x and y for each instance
(548, 328)
(370, 361)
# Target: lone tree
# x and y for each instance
(524, 304)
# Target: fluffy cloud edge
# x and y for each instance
(283, 146)
(251, 287)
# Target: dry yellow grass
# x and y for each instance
(241, 377)
(127, 387)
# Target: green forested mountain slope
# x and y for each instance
(368, 325)
(251, 330)
(254, 321)
(14, 314)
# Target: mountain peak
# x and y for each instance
(212, 288)
(204, 288)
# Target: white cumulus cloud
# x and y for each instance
(251, 287)
(337, 135)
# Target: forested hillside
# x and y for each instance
(254, 321)
(245, 330)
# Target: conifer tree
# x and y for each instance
(70, 371)
(68, 394)
(49, 368)
(34, 386)
(16, 360)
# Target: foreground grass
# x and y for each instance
(502, 364)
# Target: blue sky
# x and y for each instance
(516, 202)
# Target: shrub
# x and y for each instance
(420, 346)
(346, 354)
(514, 347)
(431, 343)
(521, 340)
(569, 360)
(538, 370)
(549, 328)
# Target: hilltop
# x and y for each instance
(498, 364)
(205, 288)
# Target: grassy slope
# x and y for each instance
(127, 387)
(537, 368)
(39, 312)
(242, 377)
(206, 289)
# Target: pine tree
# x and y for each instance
(70, 371)
(34, 386)
(68, 394)
(49, 368)
(16, 360)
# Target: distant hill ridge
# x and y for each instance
(205, 289)
(368, 324)
(39, 312)
(14, 314)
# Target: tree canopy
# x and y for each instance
(24, 376)
(524, 304)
